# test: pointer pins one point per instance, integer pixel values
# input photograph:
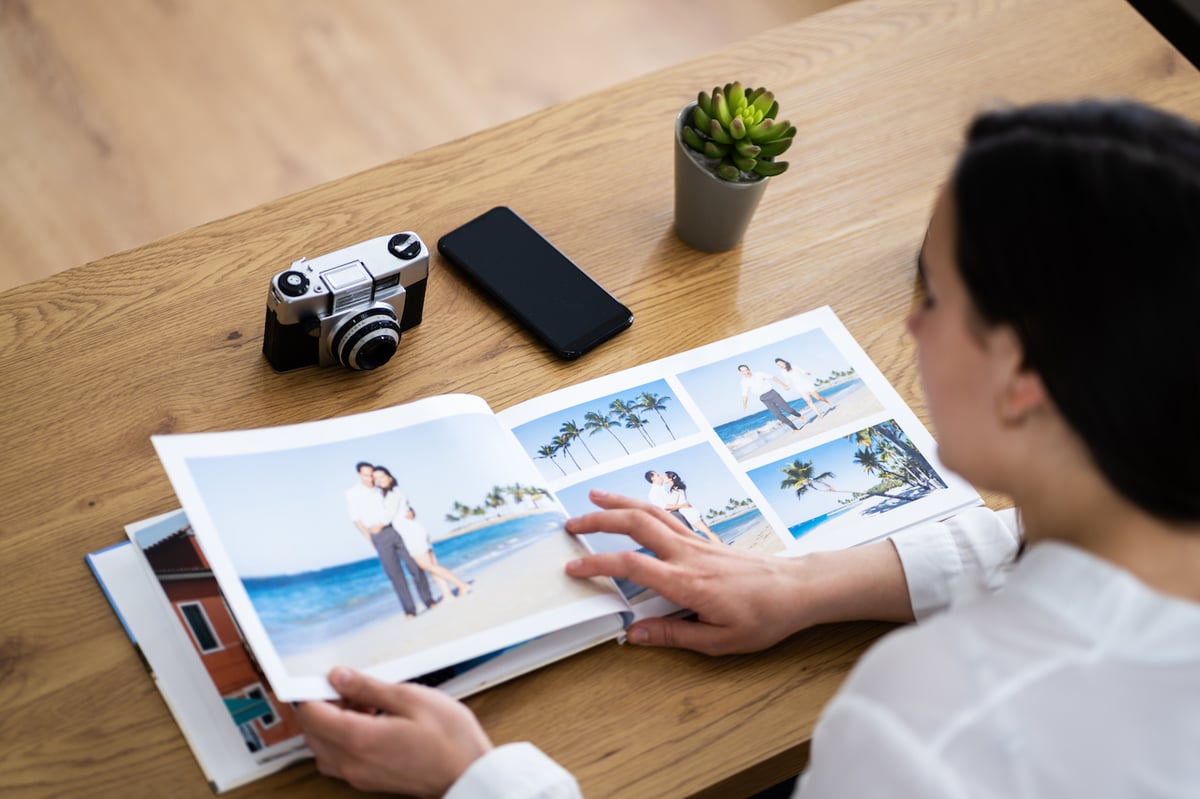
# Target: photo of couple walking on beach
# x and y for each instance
(381, 511)
(776, 395)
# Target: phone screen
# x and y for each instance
(535, 282)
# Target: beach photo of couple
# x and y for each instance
(779, 394)
(599, 430)
(379, 547)
(861, 476)
(696, 487)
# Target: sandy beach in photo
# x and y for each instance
(504, 591)
(851, 404)
(760, 539)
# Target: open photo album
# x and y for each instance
(427, 541)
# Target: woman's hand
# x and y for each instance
(743, 601)
(403, 738)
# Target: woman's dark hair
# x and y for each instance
(676, 481)
(1079, 227)
(787, 366)
(391, 477)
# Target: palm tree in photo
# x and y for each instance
(548, 451)
(564, 444)
(495, 499)
(594, 422)
(801, 476)
(517, 492)
(650, 401)
(628, 412)
(534, 492)
(573, 433)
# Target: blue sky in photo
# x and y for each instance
(285, 512)
(604, 447)
(717, 387)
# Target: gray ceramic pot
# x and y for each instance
(711, 214)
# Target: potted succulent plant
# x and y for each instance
(726, 144)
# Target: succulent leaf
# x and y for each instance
(701, 119)
(762, 102)
(721, 110)
(773, 111)
(770, 169)
(714, 150)
(718, 133)
(746, 149)
(736, 95)
(729, 172)
(743, 163)
(704, 101)
(775, 148)
(692, 139)
(737, 128)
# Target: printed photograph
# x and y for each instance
(360, 551)
(780, 394)
(863, 475)
(692, 484)
(608, 427)
(268, 727)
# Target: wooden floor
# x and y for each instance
(128, 120)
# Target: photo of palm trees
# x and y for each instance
(604, 428)
(864, 474)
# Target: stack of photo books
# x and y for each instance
(426, 542)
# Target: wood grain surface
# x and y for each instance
(129, 120)
(167, 337)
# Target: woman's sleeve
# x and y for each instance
(974, 543)
(515, 771)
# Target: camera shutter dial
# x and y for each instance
(367, 339)
(293, 283)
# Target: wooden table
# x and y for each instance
(167, 338)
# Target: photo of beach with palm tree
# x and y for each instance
(862, 475)
(318, 585)
(780, 394)
(611, 426)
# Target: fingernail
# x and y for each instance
(574, 565)
(339, 677)
(638, 636)
(596, 492)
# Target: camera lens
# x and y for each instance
(367, 339)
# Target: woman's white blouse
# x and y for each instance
(1057, 676)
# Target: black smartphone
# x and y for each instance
(533, 281)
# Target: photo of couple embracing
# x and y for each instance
(382, 513)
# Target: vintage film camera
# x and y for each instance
(347, 307)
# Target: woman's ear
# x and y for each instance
(1024, 395)
(1023, 391)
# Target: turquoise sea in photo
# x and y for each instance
(304, 610)
(732, 431)
(798, 530)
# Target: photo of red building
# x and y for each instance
(193, 592)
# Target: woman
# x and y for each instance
(799, 381)
(678, 499)
(416, 538)
(1066, 244)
